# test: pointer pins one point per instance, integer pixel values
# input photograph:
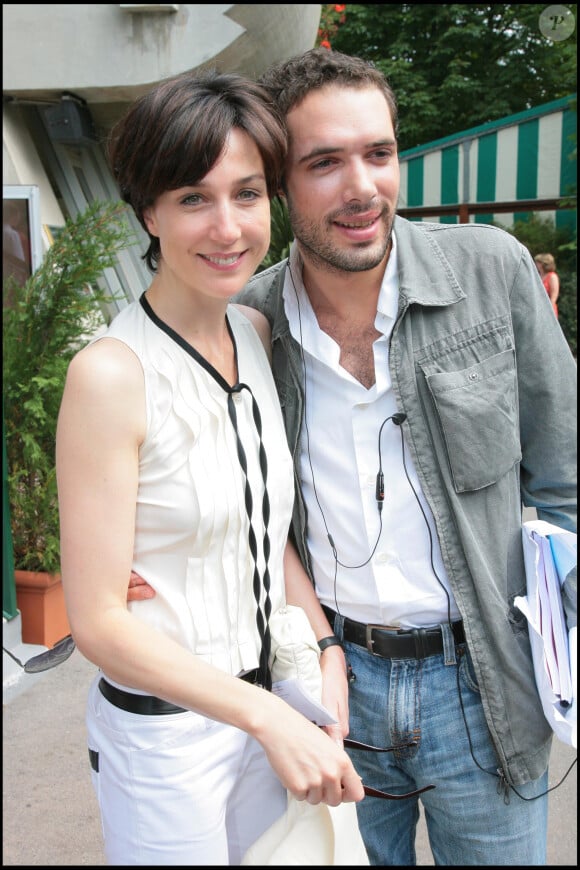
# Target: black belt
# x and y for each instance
(413, 643)
(149, 705)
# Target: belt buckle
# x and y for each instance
(373, 627)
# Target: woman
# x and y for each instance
(172, 462)
(546, 266)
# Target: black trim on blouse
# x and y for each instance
(262, 616)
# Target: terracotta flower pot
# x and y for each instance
(40, 599)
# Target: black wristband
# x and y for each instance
(331, 640)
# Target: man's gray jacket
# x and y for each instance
(481, 368)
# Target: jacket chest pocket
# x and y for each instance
(477, 408)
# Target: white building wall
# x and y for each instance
(92, 48)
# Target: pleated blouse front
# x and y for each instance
(194, 520)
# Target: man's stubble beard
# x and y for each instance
(319, 249)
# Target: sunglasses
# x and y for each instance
(376, 792)
(44, 661)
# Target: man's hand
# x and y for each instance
(139, 589)
(335, 692)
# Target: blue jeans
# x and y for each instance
(469, 818)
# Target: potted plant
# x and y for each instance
(50, 318)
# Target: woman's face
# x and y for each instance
(214, 235)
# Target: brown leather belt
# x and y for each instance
(412, 643)
(149, 705)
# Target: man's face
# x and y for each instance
(342, 177)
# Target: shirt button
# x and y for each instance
(371, 480)
(473, 376)
(382, 558)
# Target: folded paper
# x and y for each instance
(550, 556)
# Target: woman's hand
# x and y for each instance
(309, 763)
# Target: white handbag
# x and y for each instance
(307, 835)
(294, 651)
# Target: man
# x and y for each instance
(444, 330)
(426, 397)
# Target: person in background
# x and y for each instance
(546, 266)
(11, 238)
(169, 431)
(15, 263)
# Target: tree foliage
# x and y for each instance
(281, 234)
(455, 66)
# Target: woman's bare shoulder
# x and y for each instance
(105, 366)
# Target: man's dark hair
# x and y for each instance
(292, 80)
(173, 135)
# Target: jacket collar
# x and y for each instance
(425, 274)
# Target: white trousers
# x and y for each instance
(178, 789)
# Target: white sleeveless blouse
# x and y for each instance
(193, 531)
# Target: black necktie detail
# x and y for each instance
(262, 616)
(262, 613)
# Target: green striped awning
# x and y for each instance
(527, 156)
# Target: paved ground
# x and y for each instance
(50, 815)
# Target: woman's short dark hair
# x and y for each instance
(173, 135)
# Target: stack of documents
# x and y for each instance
(550, 554)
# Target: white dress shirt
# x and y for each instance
(393, 582)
